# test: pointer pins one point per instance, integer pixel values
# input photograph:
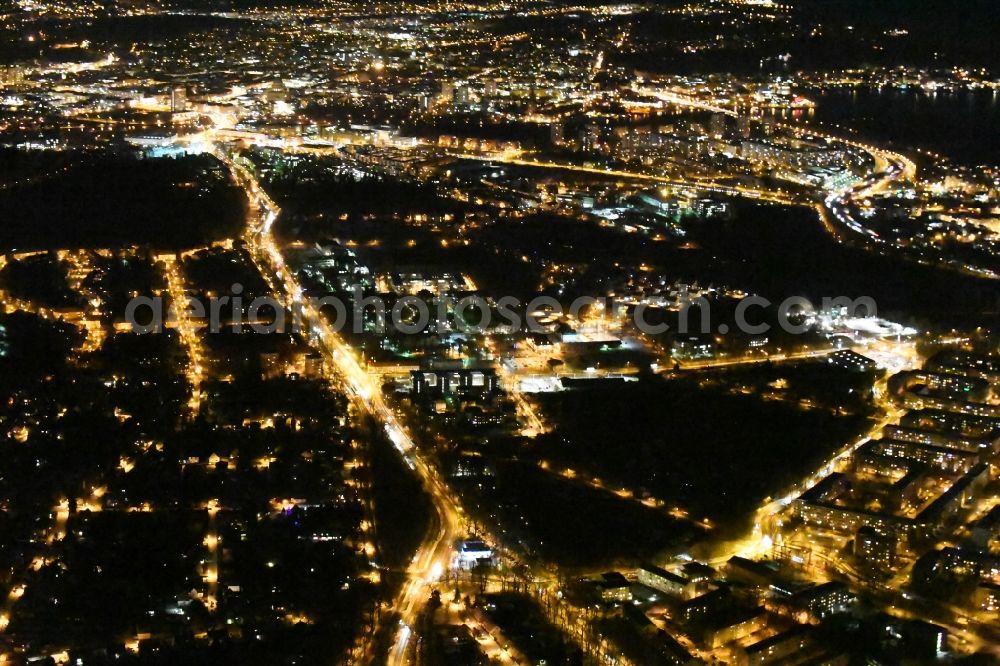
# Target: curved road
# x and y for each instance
(434, 554)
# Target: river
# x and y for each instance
(964, 126)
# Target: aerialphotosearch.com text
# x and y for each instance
(472, 314)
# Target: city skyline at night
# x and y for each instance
(514, 332)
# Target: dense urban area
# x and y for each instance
(552, 332)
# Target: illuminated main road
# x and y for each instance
(890, 171)
(434, 554)
(181, 315)
(772, 196)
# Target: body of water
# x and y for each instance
(964, 126)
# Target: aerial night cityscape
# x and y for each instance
(538, 332)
